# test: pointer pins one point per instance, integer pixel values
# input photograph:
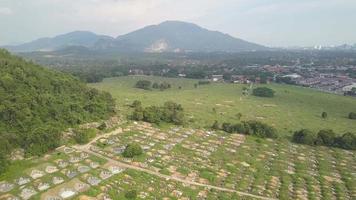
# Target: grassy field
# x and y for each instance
(291, 109)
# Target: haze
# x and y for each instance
(268, 22)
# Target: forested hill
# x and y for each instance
(36, 104)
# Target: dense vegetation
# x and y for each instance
(325, 137)
(255, 128)
(147, 85)
(170, 112)
(83, 136)
(263, 92)
(36, 104)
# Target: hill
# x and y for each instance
(36, 104)
(169, 36)
(176, 36)
(76, 38)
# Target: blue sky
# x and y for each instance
(268, 22)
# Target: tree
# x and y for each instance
(132, 150)
(143, 84)
(304, 136)
(155, 85)
(263, 92)
(136, 104)
(352, 115)
(324, 115)
(216, 125)
(83, 136)
(132, 194)
(347, 141)
(326, 137)
(4, 162)
(238, 116)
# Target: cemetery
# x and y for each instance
(276, 169)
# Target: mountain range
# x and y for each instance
(169, 36)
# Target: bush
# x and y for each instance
(347, 141)
(143, 84)
(132, 150)
(170, 112)
(304, 136)
(263, 92)
(132, 194)
(216, 125)
(325, 137)
(352, 115)
(324, 115)
(255, 128)
(83, 136)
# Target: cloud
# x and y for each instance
(5, 11)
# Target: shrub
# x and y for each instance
(263, 92)
(325, 137)
(170, 112)
(143, 84)
(132, 150)
(83, 136)
(132, 194)
(255, 128)
(347, 141)
(352, 115)
(304, 136)
(216, 125)
(324, 115)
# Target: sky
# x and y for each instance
(275, 23)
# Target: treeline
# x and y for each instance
(325, 137)
(37, 104)
(254, 128)
(147, 85)
(170, 112)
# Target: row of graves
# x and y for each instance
(152, 187)
(284, 170)
(61, 175)
(273, 168)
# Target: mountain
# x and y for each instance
(169, 36)
(37, 104)
(176, 36)
(76, 38)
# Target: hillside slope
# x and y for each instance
(36, 104)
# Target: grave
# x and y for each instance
(35, 174)
(57, 180)
(51, 169)
(43, 186)
(92, 180)
(23, 181)
(6, 187)
(27, 193)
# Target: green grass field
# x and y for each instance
(291, 109)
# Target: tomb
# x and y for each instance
(36, 174)
(27, 193)
(92, 180)
(51, 169)
(6, 187)
(22, 181)
(57, 180)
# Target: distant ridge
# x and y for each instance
(169, 36)
(76, 38)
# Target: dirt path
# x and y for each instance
(86, 148)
